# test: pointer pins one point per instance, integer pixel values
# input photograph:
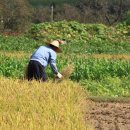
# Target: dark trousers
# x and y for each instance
(36, 71)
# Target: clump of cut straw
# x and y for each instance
(67, 71)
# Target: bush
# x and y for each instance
(127, 18)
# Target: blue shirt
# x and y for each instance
(45, 55)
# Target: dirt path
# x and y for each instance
(109, 115)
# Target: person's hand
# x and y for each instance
(59, 75)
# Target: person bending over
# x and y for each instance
(39, 60)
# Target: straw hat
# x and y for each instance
(56, 43)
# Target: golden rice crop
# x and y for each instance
(41, 106)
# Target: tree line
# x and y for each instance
(18, 15)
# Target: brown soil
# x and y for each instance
(109, 115)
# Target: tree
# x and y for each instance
(41, 14)
(103, 11)
(114, 12)
(16, 14)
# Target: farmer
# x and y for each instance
(43, 56)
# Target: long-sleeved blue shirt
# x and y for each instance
(45, 55)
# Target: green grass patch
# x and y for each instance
(109, 87)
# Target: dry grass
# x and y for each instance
(15, 54)
(99, 56)
(111, 56)
(21, 54)
(67, 71)
(41, 106)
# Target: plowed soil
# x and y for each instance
(109, 115)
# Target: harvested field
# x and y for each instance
(109, 115)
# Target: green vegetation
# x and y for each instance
(12, 67)
(89, 68)
(108, 86)
(20, 43)
(101, 76)
(85, 38)
(80, 38)
(128, 18)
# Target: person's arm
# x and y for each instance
(53, 65)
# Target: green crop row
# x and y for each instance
(89, 68)
(97, 69)
(12, 67)
(21, 43)
(99, 76)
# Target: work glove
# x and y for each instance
(59, 75)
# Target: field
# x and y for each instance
(31, 105)
(99, 54)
